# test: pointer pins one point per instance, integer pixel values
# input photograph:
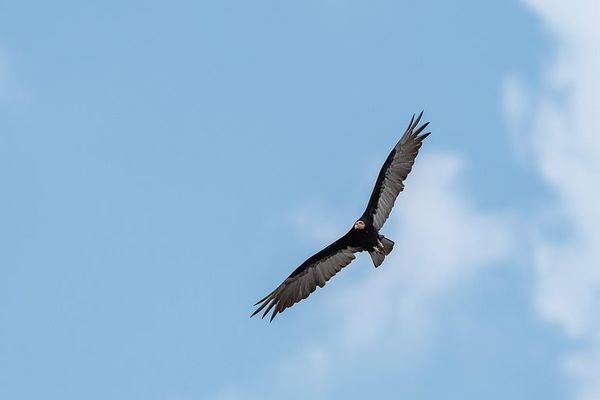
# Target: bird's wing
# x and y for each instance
(314, 272)
(396, 168)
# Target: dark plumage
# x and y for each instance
(364, 235)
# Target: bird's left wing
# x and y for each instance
(314, 272)
(396, 168)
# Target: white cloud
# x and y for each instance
(442, 241)
(566, 152)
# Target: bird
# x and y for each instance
(364, 234)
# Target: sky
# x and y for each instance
(164, 166)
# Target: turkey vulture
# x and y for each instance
(364, 235)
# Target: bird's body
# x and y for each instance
(366, 239)
(364, 235)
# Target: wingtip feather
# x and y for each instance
(420, 129)
(414, 124)
(411, 122)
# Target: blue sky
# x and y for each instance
(164, 166)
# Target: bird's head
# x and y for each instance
(360, 225)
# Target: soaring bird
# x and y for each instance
(363, 236)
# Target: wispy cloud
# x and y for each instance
(313, 222)
(443, 240)
(4, 76)
(566, 151)
(9, 89)
(516, 103)
(313, 364)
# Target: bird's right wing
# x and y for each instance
(394, 171)
(314, 272)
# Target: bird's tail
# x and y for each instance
(383, 248)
